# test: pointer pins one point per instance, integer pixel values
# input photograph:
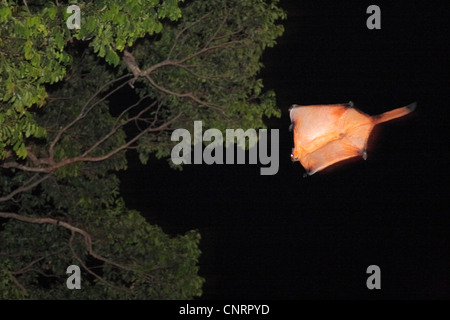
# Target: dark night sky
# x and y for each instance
(288, 237)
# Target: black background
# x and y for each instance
(288, 237)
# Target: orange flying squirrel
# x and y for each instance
(326, 134)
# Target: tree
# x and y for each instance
(61, 139)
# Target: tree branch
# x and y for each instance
(27, 267)
(83, 114)
(175, 42)
(87, 241)
(26, 187)
(88, 269)
(82, 158)
(26, 5)
(117, 126)
(183, 95)
(18, 284)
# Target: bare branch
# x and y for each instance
(116, 127)
(18, 284)
(184, 30)
(83, 114)
(26, 5)
(83, 157)
(27, 267)
(156, 114)
(88, 269)
(208, 49)
(188, 68)
(183, 95)
(9, 215)
(25, 187)
(178, 62)
(124, 112)
(122, 147)
(14, 164)
(87, 241)
(222, 23)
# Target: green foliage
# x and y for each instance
(224, 75)
(32, 51)
(197, 60)
(31, 55)
(114, 25)
(8, 289)
(161, 267)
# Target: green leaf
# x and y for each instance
(28, 50)
(112, 57)
(5, 13)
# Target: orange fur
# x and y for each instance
(326, 134)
